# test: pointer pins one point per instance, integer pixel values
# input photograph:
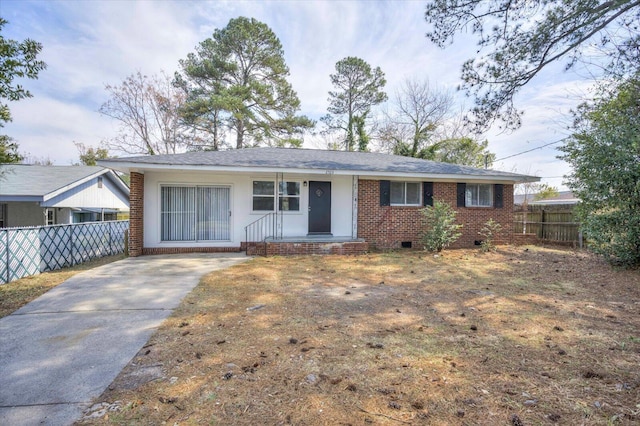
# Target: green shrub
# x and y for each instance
(603, 155)
(440, 227)
(489, 232)
(614, 234)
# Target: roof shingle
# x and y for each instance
(32, 180)
(291, 158)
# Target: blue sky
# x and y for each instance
(88, 44)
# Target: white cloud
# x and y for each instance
(48, 127)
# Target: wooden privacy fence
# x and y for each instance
(29, 251)
(554, 224)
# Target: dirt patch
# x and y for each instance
(520, 336)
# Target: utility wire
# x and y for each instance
(532, 149)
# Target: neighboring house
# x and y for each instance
(563, 197)
(50, 195)
(302, 201)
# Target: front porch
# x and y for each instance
(280, 233)
(304, 245)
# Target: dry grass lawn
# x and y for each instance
(18, 293)
(522, 336)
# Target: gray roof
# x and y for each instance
(563, 197)
(307, 159)
(37, 181)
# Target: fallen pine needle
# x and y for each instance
(383, 415)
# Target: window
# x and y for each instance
(3, 215)
(194, 213)
(264, 196)
(478, 195)
(289, 196)
(50, 216)
(100, 182)
(405, 193)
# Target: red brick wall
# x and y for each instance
(284, 249)
(474, 218)
(386, 227)
(136, 214)
(179, 250)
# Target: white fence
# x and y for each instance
(29, 251)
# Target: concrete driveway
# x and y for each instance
(62, 350)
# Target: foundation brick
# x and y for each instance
(179, 250)
(305, 248)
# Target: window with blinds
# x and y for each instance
(405, 193)
(478, 195)
(195, 213)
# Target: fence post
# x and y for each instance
(7, 254)
(109, 252)
(73, 257)
(580, 240)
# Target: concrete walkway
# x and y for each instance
(62, 350)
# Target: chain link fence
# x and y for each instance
(29, 251)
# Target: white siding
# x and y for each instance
(89, 195)
(295, 223)
(341, 206)
(64, 216)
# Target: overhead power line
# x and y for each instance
(532, 149)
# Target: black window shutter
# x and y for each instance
(461, 190)
(427, 193)
(498, 196)
(385, 193)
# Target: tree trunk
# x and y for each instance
(216, 142)
(239, 134)
(350, 137)
(414, 146)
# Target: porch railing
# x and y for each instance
(261, 229)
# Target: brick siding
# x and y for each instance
(179, 250)
(387, 227)
(303, 248)
(136, 214)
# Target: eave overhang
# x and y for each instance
(128, 167)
